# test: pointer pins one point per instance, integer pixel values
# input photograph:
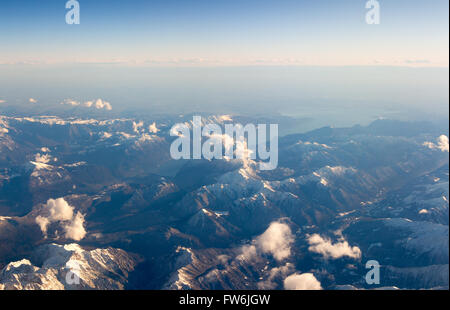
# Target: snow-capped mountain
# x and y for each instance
(56, 267)
(339, 197)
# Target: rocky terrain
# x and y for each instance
(106, 195)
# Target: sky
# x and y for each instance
(304, 58)
(225, 32)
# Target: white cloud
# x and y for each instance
(325, 247)
(442, 144)
(75, 229)
(248, 252)
(43, 223)
(58, 210)
(137, 126)
(32, 100)
(98, 104)
(71, 102)
(304, 281)
(276, 240)
(152, 128)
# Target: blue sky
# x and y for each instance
(231, 32)
(311, 58)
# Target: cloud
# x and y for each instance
(277, 273)
(305, 281)
(328, 250)
(248, 252)
(2, 101)
(152, 128)
(71, 102)
(32, 100)
(75, 229)
(276, 240)
(43, 223)
(58, 210)
(98, 104)
(54, 210)
(224, 139)
(442, 144)
(137, 126)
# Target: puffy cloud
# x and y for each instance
(98, 104)
(58, 210)
(43, 223)
(304, 281)
(276, 240)
(152, 128)
(137, 126)
(54, 210)
(75, 229)
(325, 247)
(442, 144)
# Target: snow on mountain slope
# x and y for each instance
(423, 237)
(55, 266)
